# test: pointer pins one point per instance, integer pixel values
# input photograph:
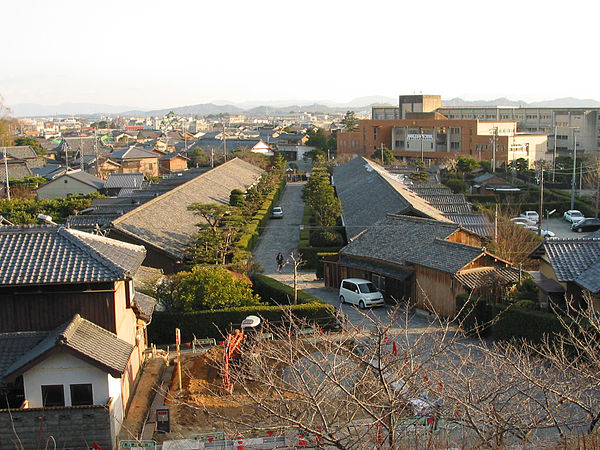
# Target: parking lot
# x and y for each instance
(561, 228)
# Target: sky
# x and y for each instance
(158, 54)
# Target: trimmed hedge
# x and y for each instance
(511, 322)
(276, 293)
(210, 324)
(311, 254)
(254, 228)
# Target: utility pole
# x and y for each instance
(224, 142)
(574, 169)
(66, 154)
(541, 201)
(6, 175)
(381, 149)
(554, 155)
(96, 151)
(81, 167)
(495, 130)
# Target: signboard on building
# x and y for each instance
(419, 137)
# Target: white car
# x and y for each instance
(523, 221)
(573, 216)
(543, 233)
(277, 213)
(531, 215)
(363, 293)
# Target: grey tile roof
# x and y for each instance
(445, 199)
(19, 152)
(437, 190)
(90, 222)
(87, 340)
(49, 171)
(453, 208)
(85, 145)
(485, 276)
(407, 240)
(86, 178)
(368, 193)
(165, 221)
(124, 180)
(14, 345)
(131, 153)
(16, 169)
(231, 144)
(144, 304)
(576, 260)
(173, 155)
(477, 223)
(34, 255)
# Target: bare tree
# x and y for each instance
(387, 384)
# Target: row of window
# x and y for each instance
(54, 395)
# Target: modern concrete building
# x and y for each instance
(562, 125)
(432, 137)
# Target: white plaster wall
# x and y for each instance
(58, 188)
(65, 369)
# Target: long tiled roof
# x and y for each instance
(93, 343)
(16, 169)
(368, 193)
(478, 223)
(19, 152)
(131, 153)
(407, 240)
(575, 260)
(33, 255)
(165, 221)
(87, 178)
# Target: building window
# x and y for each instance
(454, 130)
(374, 133)
(81, 394)
(455, 145)
(53, 395)
(398, 144)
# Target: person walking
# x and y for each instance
(279, 262)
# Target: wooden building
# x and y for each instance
(423, 261)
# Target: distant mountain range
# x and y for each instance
(278, 107)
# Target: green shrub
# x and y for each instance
(204, 324)
(474, 313)
(326, 238)
(276, 293)
(517, 323)
(310, 254)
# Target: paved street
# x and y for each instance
(283, 235)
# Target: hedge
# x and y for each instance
(310, 254)
(511, 322)
(210, 324)
(257, 224)
(277, 293)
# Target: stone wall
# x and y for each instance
(73, 428)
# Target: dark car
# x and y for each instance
(586, 225)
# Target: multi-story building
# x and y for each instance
(432, 137)
(563, 126)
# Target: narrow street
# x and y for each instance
(283, 235)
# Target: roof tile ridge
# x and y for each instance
(90, 251)
(67, 333)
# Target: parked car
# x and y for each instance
(523, 221)
(586, 225)
(531, 215)
(363, 293)
(573, 216)
(543, 233)
(277, 213)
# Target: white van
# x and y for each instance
(362, 293)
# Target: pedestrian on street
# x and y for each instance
(279, 262)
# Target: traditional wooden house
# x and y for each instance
(165, 226)
(71, 182)
(568, 266)
(75, 327)
(172, 162)
(135, 160)
(423, 261)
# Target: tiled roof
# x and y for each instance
(16, 169)
(50, 171)
(144, 304)
(14, 345)
(437, 190)
(477, 223)
(19, 152)
(132, 153)
(34, 255)
(453, 208)
(576, 260)
(86, 178)
(485, 276)
(85, 145)
(445, 199)
(165, 221)
(87, 340)
(368, 192)
(124, 180)
(89, 222)
(173, 155)
(407, 240)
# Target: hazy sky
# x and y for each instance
(155, 54)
